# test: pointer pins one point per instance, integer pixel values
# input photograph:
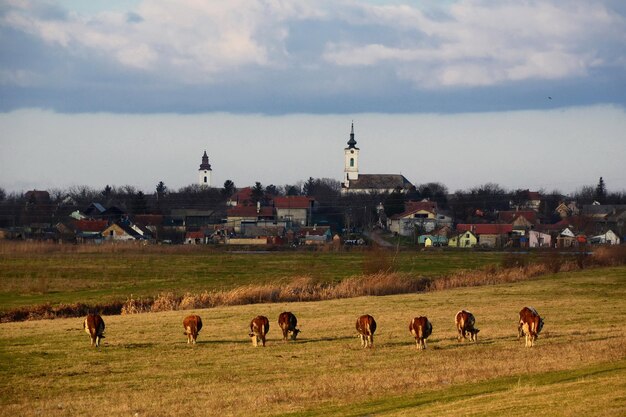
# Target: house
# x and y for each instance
(405, 223)
(274, 235)
(294, 209)
(432, 240)
(421, 215)
(89, 230)
(463, 240)
(608, 238)
(520, 220)
(537, 239)
(315, 235)
(237, 215)
(94, 210)
(242, 197)
(195, 238)
(567, 210)
(197, 218)
(566, 238)
(531, 201)
(489, 235)
(121, 232)
(357, 183)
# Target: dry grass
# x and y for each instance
(146, 368)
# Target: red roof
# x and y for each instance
(91, 225)
(250, 211)
(195, 235)
(242, 197)
(411, 206)
(511, 216)
(295, 202)
(485, 229)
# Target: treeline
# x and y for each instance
(478, 204)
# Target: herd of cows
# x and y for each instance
(530, 325)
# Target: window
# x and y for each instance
(351, 162)
(205, 179)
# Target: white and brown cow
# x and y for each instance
(94, 326)
(420, 328)
(259, 326)
(192, 325)
(366, 326)
(288, 322)
(465, 325)
(530, 324)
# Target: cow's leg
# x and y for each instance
(254, 341)
(263, 340)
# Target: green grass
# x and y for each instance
(145, 367)
(55, 276)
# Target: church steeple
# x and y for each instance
(205, 162)
(204, 173)
(351, 160)
(352, 142)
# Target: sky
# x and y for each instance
(526, 94)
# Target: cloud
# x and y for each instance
(297, 55)
(482, 43)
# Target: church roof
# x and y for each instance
(352, 142)
(205, 162)
(380, 182)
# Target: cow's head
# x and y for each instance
(294, 334)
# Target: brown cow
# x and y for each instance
(366, 326)
(192, 325)
(465, 324)
(420, 328)
(94, 326)
(530, 324)
(288, 322)
(259, 326)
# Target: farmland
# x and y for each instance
(33, 274)
(145, 367)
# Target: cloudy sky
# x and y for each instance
(524, 93)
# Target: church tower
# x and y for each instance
(351, 160)
(204, 173)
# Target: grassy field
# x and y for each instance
(145, 367)
(69, 274)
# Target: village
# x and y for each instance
(322, 213)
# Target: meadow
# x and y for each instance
(38, 273)
(145, 367)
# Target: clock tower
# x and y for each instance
(351, 160)
(204, 173)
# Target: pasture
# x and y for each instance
(145, 367)
(32, 274)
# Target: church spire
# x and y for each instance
(352, 142)
(205, 162)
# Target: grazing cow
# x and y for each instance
(192, 325)
(530, 324)
(420, 328)
(94, 326)
(366, 326)
(465, 324)
(259, 326)
(288, 322)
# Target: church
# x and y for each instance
(356, 183)
(204, 173)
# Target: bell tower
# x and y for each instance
(204, 173)
(351, 160)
